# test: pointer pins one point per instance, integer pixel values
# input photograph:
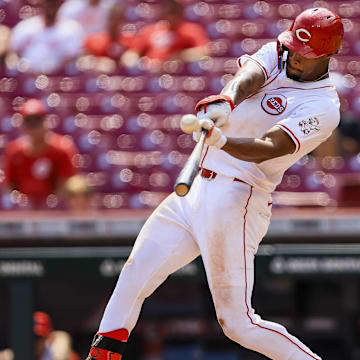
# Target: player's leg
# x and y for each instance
(163, 246)
(228, 244)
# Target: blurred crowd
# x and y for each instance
(51, 39)
(49, 344)
(58, 31)
(53, 33)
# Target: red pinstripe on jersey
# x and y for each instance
(257, 62)
(292, 135)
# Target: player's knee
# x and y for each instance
(230, 328)
(238, 329)
(227, 328)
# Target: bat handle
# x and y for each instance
(191, 167)
(203, 135)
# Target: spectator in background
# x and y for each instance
(350, 134)
(45, 43)
(92, 15)
(38, 163)
(110, 42)
(78, 193)
(4, 42)
(172, 37)
(49, 344)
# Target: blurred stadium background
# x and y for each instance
(125, 124)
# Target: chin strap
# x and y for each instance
(282, 56)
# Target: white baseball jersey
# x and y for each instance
(46, 48)
(91, 18)
(307, 111)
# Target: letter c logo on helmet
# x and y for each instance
(298, 35)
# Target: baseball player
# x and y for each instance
(280, 106)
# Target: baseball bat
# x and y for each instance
(186, 177)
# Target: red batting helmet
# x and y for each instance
(32, 107)
(42, 323)
(314, 33)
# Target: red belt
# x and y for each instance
(209, 174)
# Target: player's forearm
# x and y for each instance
(246, 82)
(250, 149)
(239, 88)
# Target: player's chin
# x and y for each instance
(293, 75)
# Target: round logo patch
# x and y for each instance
(274, 104)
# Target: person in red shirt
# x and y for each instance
(49, 344)
(38, 163)
(111, 42)
(169, 38)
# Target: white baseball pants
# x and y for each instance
(223, 221)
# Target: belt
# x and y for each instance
(210, 175)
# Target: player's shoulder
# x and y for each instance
(324, 99)
(268, 50)
(270, 46)
(148, 30)
(331, 107)
(71, 7)
(31, 24)
(321, 98)
(61, 143)
(324, 107)
(190, 26)
(69, 27)
(15, 147)
(265, 57)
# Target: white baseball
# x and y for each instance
(189, 123)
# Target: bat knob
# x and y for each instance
(181, 189)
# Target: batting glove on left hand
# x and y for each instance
(217, 112)
(216, 108)
(215, 137)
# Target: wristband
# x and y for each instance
(213, 99)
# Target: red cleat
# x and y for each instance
(108, 346)
(101, 354)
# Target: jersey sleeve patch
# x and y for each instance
(309, 125)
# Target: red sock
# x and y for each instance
(119, 334)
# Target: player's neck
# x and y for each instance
(37, 145)
(50, 20)
(321, 72)
(321, 77)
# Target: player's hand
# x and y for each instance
(215, 136)
(217, 112)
